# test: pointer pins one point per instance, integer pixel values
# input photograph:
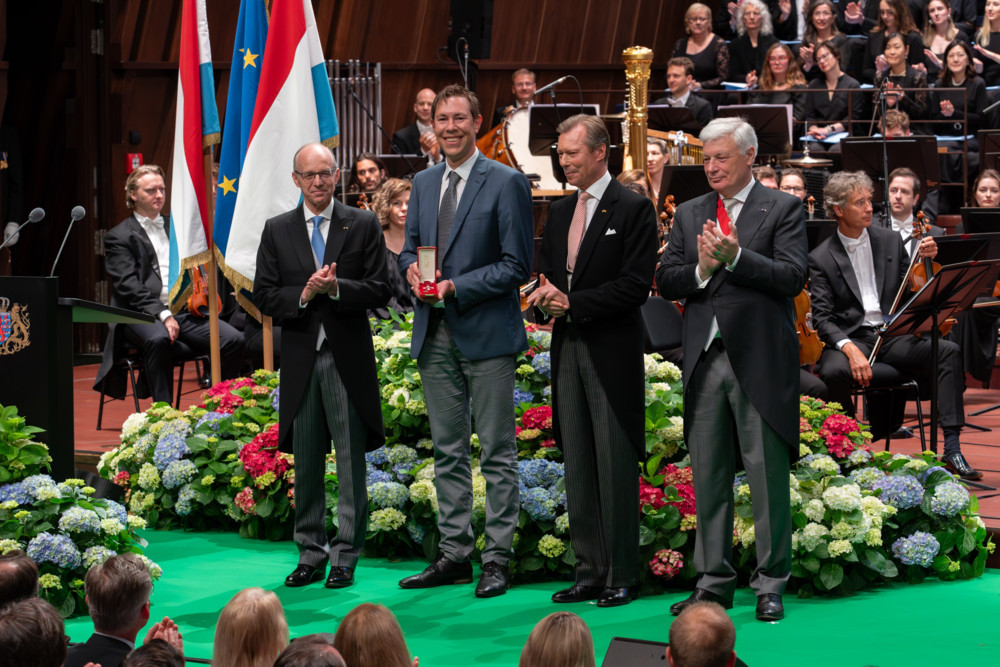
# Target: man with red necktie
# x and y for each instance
(738, 256)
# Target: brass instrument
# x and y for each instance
(638, 60)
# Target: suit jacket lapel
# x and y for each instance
(597, 228)
(147, 245)
(336, 235)
(476, 179)
(300, 239)
(843, 262)
(753, 214)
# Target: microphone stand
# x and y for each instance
(350, 89)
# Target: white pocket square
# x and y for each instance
(610, 232)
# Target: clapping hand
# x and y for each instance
(752, 79)
(549, 298)
(324, 281)
(853, 13)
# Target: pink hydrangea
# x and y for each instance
(666, 563)
(244, 500)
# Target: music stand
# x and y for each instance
(401, 166)
(967, 248)
(980, 220)
(666, 118)
(543, 119)
(771, 122)
(952, 289)
(916, 152)
(689, 179)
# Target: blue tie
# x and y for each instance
(318, 244)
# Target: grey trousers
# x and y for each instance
(456, 390)
(326, 413)
(602, 473)
(719, 418)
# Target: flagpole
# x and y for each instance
(213, 286)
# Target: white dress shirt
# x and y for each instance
(859, 251)
(161, 246)
(596, 191)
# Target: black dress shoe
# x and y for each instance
(577, 593)
(305, 575)
(770, 607)
(441, 572)
(340, 577)
(616, 597)
(494, 581)
(957, 464)
(699, 595)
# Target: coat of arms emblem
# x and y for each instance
(14, 327)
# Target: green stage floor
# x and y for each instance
(933, 623)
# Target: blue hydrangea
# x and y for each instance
(379, 456)
(539, 472)
(539, 504)
(179, 472)
(142, 446)
(416, 532)
(16, 492)
(949, 499)
(866, 477)
(522, 396)
(184, 498)
(376, 476)
(388, 494)
(540, 338)
(274, 398)
(918, 549)
(547, 391)
(542, 362)
(900, 491)
(169, 448)
(402, 472)
(56, 549)
(80, 520)
(212, 419)
(116, 511)
(401, 454)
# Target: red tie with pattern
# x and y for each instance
(723, 217)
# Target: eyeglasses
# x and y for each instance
(777, 59)
(310, 176)
(826, 56)
(792, 188)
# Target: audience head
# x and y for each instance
(145, 190)
(156, 653)
(986, 191)
(991, 22)
(793, 182)
(767, 176)
(561, 639)
(18, 577)
(897, 123)
(118, 593)
(894, 16)
(423, 105)
(32, 633)
(958, 65)
(391, 201)
(370, 636)
(583, 149)
(754, 15)
(729, 147)
(698, 19)
(368, 173)
(702, 636)
(636, 181)
(895, 50)
(847, 197)
(656, 155)
(523, 85)
(939, 17)
(251, 631)
(904, 191)
(310, 651)
(781, 67)
(820, 18)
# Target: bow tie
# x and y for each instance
(901, 226)
(150, 222)
(852, 245)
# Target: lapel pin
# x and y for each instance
(604, 210)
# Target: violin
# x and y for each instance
(197, 303)
(811, 206)
(363, 203)
(810, 346)
(666, 222)
(926, 269)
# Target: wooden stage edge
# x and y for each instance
(981, 447)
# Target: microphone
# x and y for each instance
(36, 215)
(552, 85)
(76, 214)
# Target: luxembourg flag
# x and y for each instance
(294, 107)
(196, 127)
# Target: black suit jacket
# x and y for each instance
(407, 140)
(99, 649)
(131, 264)
(284, 265)
(611, 280)
(837, 310)
(753, 302)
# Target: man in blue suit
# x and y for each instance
(466, 336)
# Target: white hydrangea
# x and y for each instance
(133, 424)
(811, 536)
(845, 498)
(814, 510)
